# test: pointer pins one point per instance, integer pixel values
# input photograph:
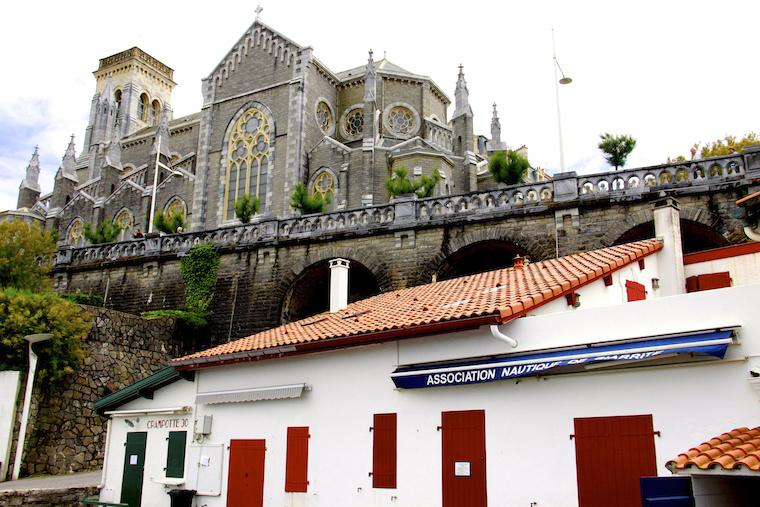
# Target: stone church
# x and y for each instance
(273, 115)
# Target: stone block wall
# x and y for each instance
(65, 435)
(46, 497)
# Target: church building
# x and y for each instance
(273, 116)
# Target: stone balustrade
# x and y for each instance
(410, 211)
(439, 135)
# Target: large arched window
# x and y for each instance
(248, 151)
(142, 107)
(127, 221)
(155, 112)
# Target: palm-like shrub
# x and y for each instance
(106, 232)
(508, 167)
(246, 207)
(169, 223)
(400, 184)
(616, 148)
(307, 204)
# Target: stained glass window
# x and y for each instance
(247, 160)
(401, 120)
(75, 236)
(324, 117)
(354, 123)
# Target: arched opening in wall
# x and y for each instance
(478, 258)
(117, 98)
(155, 112)
(695, 236)
(310, 293)
(142, 107)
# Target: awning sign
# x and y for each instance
(489, 370)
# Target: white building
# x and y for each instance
(556, 383)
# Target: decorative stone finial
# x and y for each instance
(258, 10)
(32, 177)
(69, 161)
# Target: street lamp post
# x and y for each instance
(563, 81)
(32, 339)
(155, 183)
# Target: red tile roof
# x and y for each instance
(738, 449)
(492, 297)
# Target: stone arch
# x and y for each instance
(223, 169)
(176, 202)
(75, 232)
(326, 178)
(491, 248)
(302, 289)
(697, 231)
(126, 219)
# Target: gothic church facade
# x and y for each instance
(273, 115)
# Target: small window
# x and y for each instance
(155, 113)
(297, 460)
(175, 454)
(384, 451)
(142, 107)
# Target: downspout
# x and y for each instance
(501, 336)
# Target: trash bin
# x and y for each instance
(181, 497)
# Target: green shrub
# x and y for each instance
(307, 204)
(26, 255)
(508, 167)
(106, 232)
(246, 207)
(23, 313)
(83, 298)
(168, 224)
(198, 270)
(400, 184)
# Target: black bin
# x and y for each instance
(181, 497)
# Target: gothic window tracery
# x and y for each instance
(353, 124)
(75, 234)
(323, 184)
(247, 159)
(324, 117)
(401, 120)
(175, 206)
(125, 219)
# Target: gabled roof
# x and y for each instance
(737, 450)
(467, 302)
(143, 388)
(380, 66)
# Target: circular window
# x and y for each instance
(353, 123)
(401, 120)
(324, 117)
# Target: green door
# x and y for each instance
(134, 464)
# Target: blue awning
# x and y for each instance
(712, 343)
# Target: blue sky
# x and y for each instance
(668, 73)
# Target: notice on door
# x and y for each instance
(133, 459)
(461, 468)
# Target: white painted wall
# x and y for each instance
(530, 457)
(744, 269)
(8, 395)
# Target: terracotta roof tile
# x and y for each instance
(736, 449)
(501, 294)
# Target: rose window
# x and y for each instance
(324, 117)
(401, 121)
(354, 123)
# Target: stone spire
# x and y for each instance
(32, 178)
(370, 80)
(69, 161)
(461, 95)
(495, 126)
(113, 154)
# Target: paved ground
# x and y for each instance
(80, 480)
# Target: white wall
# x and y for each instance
(530, 457)
(744, 269)
(8, 395)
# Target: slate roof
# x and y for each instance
(380, 66)
(739, 449)
(492, 297)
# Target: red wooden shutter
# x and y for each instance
(714, 280)
(635, 291)
(384, 451)
(692, 284)
(611, 455)
(297, 461)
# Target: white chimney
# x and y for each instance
(338, 284)
(667, 228)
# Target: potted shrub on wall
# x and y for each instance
(307, 204)
(169, 223)
(246, 207)
(107, 231)
(399, 185)
(508, 167)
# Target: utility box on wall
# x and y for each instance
(9, 382)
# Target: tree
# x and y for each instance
(246, 207)
(23, 312)
(169, 224)
(400, 184)
(729, 145)
(508, 167)
(616, 148)
(26, 255)
(307, 204)
(106, 232)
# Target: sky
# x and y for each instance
(669, 73)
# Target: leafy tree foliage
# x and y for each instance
(729, 145)
(616, 148)
(400, 184)
(26, 255)
(107, 231)
(23, 312)
(246, 207)
(169, 224)
(508, 167)
(307, 204)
